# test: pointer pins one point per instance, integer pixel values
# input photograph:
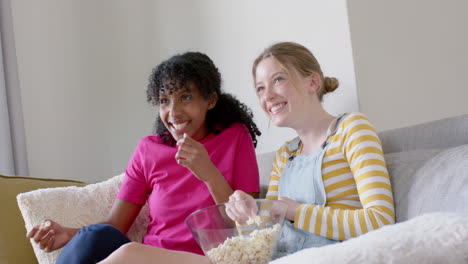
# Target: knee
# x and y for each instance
(129, 247)
(126, 251)
(100, 235)
(99, 230)
(103, 228)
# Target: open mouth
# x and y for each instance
(179, 127)
(277, 108)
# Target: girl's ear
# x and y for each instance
(313, 82)
(212, 101)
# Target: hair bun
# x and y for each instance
(330, 84)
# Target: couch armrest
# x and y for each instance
(14, 246)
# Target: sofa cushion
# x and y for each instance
(75, 207)
(14, 246)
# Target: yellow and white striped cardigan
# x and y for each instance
(356, 180)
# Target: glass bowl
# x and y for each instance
(238, 232)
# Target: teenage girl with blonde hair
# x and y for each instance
(333, 174)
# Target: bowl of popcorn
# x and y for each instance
(240, 231)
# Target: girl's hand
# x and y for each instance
(241, 206)
(292, 207)
(193, 156)
(49, 235)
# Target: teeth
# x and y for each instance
(276, 108)
(180, 126)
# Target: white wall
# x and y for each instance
(411, 59)
(84, 65)
(83, 68)
(233, 33)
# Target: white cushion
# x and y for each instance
(75, 207)
(430, 238)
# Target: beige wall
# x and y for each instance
(411, 59)
(83, 68)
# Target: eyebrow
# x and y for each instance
(273, 75)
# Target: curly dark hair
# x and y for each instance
(196, 67)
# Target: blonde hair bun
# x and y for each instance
(330, 84)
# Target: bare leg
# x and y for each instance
(144, 254)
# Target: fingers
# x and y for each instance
(246, 208)
(286, 199)
(239, 195)
(47, 240)
(186, 142)
(43, 235)
(190, 152)
(232, 213)
(183, 162)
(239, 212)
(41, 232)
(186, 148)
(241, 206)
(239, 216)
(32, 232)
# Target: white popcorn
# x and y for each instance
(254, 220)
(46, 224)
(255, 248)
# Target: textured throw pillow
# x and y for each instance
(430, 238)
(441, 184)
(429, 180)
(75, 207)
(402, 166)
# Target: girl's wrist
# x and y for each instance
(214, 175)
(71, 232)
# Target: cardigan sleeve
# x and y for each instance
(368, 185)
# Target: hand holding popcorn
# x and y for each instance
(244, 208)
(193, 155)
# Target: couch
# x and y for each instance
(428, 164)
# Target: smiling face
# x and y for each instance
(184, 111)
(280, 94)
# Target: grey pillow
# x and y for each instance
(429, 180)
(402, 166)
(441, 184)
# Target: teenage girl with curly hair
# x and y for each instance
(202, 151)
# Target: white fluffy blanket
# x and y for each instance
(430, 238)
